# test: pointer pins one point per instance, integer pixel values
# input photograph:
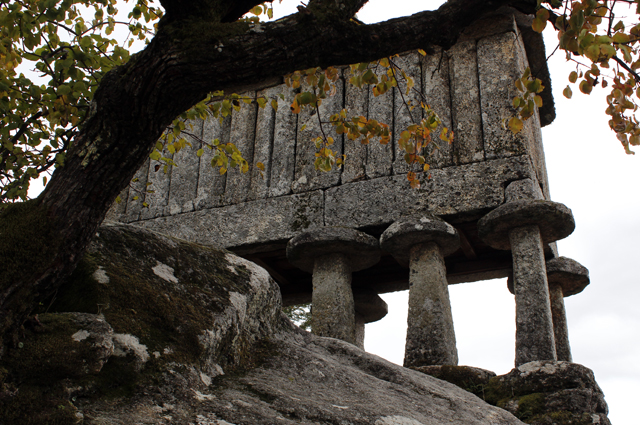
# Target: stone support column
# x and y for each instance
(332, 254)
(566, 277)
(523, 226)
(559, 319)
(534, 327)
(369, 308)
(332, 308)
(430, 335)
(423, 242)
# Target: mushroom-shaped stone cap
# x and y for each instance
(370, 306)
(405, 233)
(554, 220)
(362, 250)
(572, 276)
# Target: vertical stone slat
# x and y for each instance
(380, 157)
(356, 104)
(136, 194)
(284, 145)
(117, 210)
(306, 176)
(263, 145)
(211, 183)
(184, 175)
(159, 199)
(410, 63)
(465, 103)
(436, 90)
(500, 62)
(243, 130)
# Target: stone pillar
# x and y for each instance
(559, 319)
(534, 327)
(566, 277)
(332, 254)
(423, 242)
(332, 308)
(369, 308)
(524, 226)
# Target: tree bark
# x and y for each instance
(190, 57)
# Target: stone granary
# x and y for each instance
(483, 211)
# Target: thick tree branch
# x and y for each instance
(257, 56)
(214, 10)
(337, 9)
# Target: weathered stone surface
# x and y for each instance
(138, 305)
(332, 254)
(469, 190)
(242, 134)
(523, 190)
(306, 176)
(219, 352)
(370, 306)
(468, 144)
(183, 186)
(160, 181)
(272, 219)
(117, 210)
(332, 308)
(472, 379)
(560, 328)
(437, 94)
(534, 326)
(550, 392)
(566, 277)
(536, 151)
(211, 183)
(403, 102)
(572, 276)
(263, 146)
(554, 220)
(416, 229)
(283, 156)
(431, 339)
(356, 101)
(499, 65)
(537, 57)
(136, 194)
(380, 157)
(359, 249)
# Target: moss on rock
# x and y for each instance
(468, 378)
(138, 306)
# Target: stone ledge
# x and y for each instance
(454, 192)
(262, 221)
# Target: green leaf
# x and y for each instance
(515, 125)
(567, 92)
(585, 87)
(573, 77)
(539, 24)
